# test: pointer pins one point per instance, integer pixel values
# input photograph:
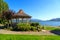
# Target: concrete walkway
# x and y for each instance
(2, 31)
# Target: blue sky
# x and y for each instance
(38, 9)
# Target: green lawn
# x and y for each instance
(50, 28)
(28, 37)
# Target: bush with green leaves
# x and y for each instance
(23, 27)
(33, 28)
(34, 24)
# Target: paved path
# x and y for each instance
(2, 31)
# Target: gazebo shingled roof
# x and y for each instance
(21, 14)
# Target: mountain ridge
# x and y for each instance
(55, 19)
(38, 20)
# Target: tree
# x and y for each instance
(7, 15)
(3, 6)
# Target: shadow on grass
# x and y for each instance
(56, 31)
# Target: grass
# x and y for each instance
(28, 37)
(50, 28)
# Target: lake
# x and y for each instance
(50, 23)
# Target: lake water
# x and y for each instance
(50, 23)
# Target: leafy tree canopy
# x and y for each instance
(3, 6)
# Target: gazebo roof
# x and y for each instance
(21, 14)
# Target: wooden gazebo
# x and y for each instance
(21, 15)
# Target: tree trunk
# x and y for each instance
(8, 24)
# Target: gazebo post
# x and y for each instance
(22, 20)
(30, 20)
(27, 20)
(11, 21)
(16, 20)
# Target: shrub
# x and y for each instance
(34, 24)
(39, 28)
(10, 28)
(14, 29)
(23, 27)
(2, 26)
(33, 28)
